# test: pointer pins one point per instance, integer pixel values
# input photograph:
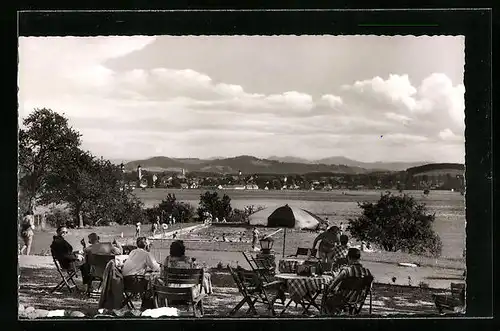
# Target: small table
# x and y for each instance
(289, 264)
(304, 289)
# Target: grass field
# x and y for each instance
(449, 207)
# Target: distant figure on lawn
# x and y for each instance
(255, 237)
(335, 298)
(154, 228)
(138, 229)
(63, 251)
(329, 239)
(140, 260)
(27, 233)
(178, 259)
(165, 228)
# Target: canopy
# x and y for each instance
(285, 217)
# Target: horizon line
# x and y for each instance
(275, 156)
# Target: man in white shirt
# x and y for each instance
(140, 260)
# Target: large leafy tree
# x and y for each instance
(45, 139)
(218, 207)
(397, 223)
(55, 170)
(94, 190)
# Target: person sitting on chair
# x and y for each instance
(140, 260)
(335, 298)
(328, 240)
(97, 247)
(63, 251)
(178, 259)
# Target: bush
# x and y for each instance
(58, 216)
(182, 211)
(238, 216)
(397, 223)
(242, 216)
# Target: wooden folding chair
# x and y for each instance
(260, 266)
(253, 290)
(184, 276)
(303, 251)
(97, 263)
(352, 293)
(132, 286)
(66, 275)
(179, 296)
(450, 301)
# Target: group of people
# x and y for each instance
(334, 247)
(68, 258)
(140, 261)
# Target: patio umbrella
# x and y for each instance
(286, 217)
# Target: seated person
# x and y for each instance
(97, 247)
(335, 298)
(140, 260)
(178, 259)
(63, 251)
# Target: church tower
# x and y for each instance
(139, 172)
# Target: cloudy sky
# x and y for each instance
(368, 98)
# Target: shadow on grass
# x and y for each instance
(36, 284)
(446, 278)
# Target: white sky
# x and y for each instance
(368, 98)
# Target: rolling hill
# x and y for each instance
(247, 164)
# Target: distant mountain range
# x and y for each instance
(272, 165)
(390, 166)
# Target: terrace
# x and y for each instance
(392, 293)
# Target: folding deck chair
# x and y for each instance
(450, 301)
(67, 276)
(181, 296)
(97, 264)
(132, 286)
(261, 266)
(353, 292)
(184, 287)
(253, 290)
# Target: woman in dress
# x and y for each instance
(27, 233)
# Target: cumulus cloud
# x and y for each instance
(332, 100)
(181, 111)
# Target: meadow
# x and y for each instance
(338, 206)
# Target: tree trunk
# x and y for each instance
(78, 216)
(31, 204)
